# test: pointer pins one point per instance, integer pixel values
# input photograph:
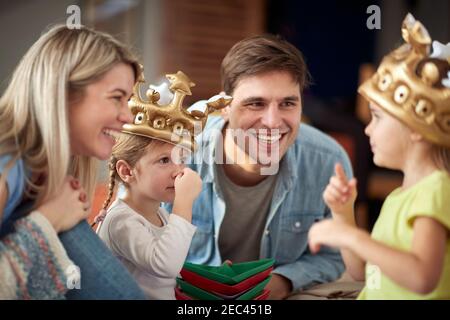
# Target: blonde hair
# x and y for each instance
(54, 71)
(130, 148)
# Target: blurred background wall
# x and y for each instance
(194, 36)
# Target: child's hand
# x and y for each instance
(188, 185)
(340, 194)
(330, 233)
(68, 207)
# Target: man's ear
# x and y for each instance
(124, 171)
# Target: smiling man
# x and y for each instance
(263, 191)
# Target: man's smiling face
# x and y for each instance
(268, 107)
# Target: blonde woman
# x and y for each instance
(67, 94)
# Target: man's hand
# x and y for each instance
(280, 287)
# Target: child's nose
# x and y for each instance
(367, 130)
(178, 169)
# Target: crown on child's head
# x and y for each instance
(413, 85)
(171, 122)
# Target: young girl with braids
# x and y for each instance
(152, 244)
(408, 254)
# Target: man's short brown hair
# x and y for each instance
(261, 54)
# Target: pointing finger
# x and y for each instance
(340, 173)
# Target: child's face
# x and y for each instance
(389, 139)
(155, 172)
(103, 108)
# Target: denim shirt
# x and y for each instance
(297, 203)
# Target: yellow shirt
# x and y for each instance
(430, 197)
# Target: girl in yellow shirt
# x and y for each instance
(407, 256)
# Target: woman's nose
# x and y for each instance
(125, 114)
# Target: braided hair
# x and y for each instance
(130, 148)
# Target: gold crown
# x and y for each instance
(170, 122)
(409, 84)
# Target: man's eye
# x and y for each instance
(255, 105)
(288, 104)
(117, 98)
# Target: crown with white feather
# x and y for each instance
(414, 85)
(163, 116)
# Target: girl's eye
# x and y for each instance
(164, 160)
